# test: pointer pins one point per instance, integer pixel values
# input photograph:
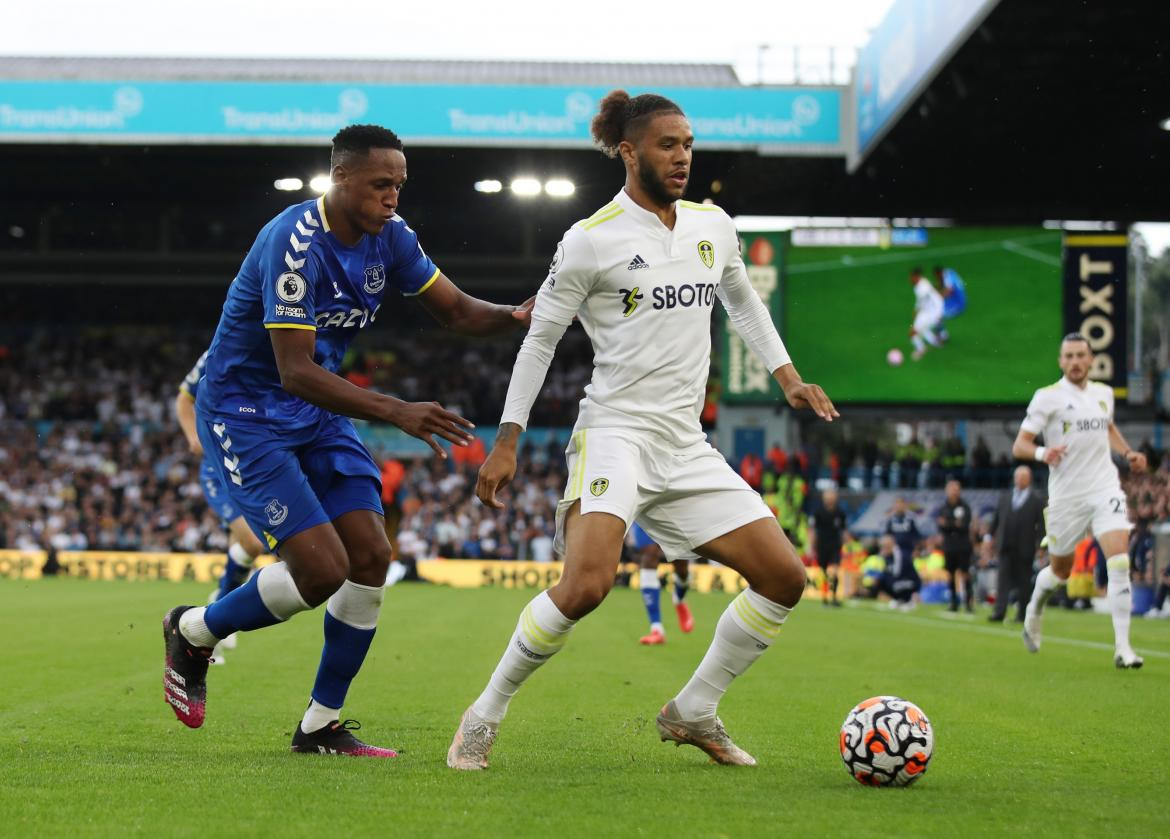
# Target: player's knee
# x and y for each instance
(371, 562)
(583, 594)
(785, 581)
(318, 584)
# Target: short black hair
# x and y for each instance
(1076, 336)
(916, 271)
(354, 140)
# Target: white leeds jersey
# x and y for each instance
(927, 300)
(1078, 418)
(644, 294)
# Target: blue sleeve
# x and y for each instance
(190, 383)
(288, 273)
(411, 270)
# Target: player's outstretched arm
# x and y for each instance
(500, 467)
(1025, 448)
(802, 394)
(185, 412)
(304, 378)
(1136, 460)
(458, 311)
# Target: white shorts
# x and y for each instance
(1069, 519)
(926, 322)
(681, 498)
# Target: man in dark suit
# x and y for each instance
(1018, 530)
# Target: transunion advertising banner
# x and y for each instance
(794, 120)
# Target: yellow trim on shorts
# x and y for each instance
(309, 327)
(425, 285)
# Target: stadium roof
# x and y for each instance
(368, 71)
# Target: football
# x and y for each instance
(894, 357)
(886, 742)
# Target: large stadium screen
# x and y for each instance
(981, 324)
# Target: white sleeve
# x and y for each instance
(571, 276)
(530, 369)
(750, 316)
(1038, 413)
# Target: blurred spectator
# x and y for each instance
(751, 469)
(1018, 531)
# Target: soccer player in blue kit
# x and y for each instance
(244, 545)
(273, 407)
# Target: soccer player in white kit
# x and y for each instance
(1075, 415)
(928, 314)
(642, 275)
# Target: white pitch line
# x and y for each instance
(1007, 633)
(910, 255)
(1046, 258)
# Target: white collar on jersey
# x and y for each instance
(641, 214)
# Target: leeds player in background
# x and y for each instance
(928, 314)
(1075, 415)
(642, 274)
(273, 408)
(244, 546)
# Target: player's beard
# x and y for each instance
(655, 187)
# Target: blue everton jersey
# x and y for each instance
(190, 383)
(297, 275)
(955, 301)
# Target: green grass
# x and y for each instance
(846, 307)
(1058, 744)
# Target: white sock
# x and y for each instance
(1120, 598)
(540, 633)
(317, 716)
(747, 628)
(1046, 583)
(194, 628)
(648, 578)
(240, 556)
(917, 341)
(930, 337)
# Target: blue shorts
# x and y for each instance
(284, 480)
(640, 537)
(214, 492)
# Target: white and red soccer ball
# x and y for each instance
(886, 742)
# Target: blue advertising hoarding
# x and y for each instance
(793, 120)
(913, 41)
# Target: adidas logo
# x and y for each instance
(636, 263)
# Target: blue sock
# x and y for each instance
(345, 650)
(270, 596)
(351, 618)
(233, 576)
(651, 596)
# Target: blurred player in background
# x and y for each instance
(243, 547)
(954, 293)
(272, 407)
(642, 274)
(928, 314)
(650, 556)
(826, 530)
(1075, 415)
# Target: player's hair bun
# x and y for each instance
(609, 124)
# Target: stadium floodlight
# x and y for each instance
(489, 185)
(559, 187)
(526, 187)
(320, 183)
(288, 184)
(1165, 124)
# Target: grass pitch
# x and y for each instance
(1057, 744)
(846, 307)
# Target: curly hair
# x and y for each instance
(354, 140)
(622, 117)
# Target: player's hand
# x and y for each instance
(495, 474)
(1136, 460)
(1055, 454)
(195, 446)
(808, 395)
(423, 419)
(523, 312)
